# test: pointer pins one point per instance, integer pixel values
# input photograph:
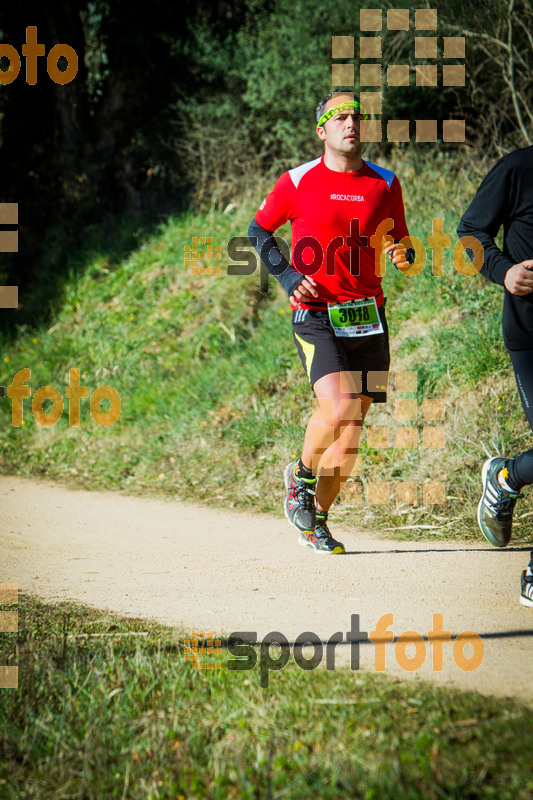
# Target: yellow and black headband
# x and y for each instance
(348, 105)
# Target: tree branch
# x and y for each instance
(511, 80)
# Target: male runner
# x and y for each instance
(505, 197)
(340, 207)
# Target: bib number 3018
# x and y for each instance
(355, 318)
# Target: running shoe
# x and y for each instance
(300, 500)
(321, 540)
(496, 507)
(526, 589)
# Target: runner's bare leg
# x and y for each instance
(333, 433)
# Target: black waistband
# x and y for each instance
(300, 315)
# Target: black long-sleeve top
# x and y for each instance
(505, 197)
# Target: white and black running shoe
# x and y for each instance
(300, 507)
(496, 507)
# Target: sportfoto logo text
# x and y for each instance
(73, 391)
(240, 644)
(245, 260)
(31, 51)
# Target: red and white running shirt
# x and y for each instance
(333, 215)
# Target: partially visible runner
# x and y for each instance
(505, 197)
(339, 207)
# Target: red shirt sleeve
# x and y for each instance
(278, 206)
(398, 214)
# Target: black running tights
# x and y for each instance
(521, 466)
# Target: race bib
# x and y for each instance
(355, 318)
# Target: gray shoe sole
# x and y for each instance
(337, 551)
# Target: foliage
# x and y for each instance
(499, 64)
(273, 71)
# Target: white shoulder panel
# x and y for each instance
(386, 174)
(298, 172)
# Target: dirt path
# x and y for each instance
(203, 569)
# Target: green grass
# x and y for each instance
(214, 399)
(108, 708)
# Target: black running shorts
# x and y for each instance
(322, 353)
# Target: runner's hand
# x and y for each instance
(397, 253)
(519, 279)
(304, 291)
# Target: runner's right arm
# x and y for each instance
(272, 257)
(276, 209)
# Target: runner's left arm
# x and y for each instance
(401, 256)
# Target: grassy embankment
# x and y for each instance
(108, 708)
(214, 399)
